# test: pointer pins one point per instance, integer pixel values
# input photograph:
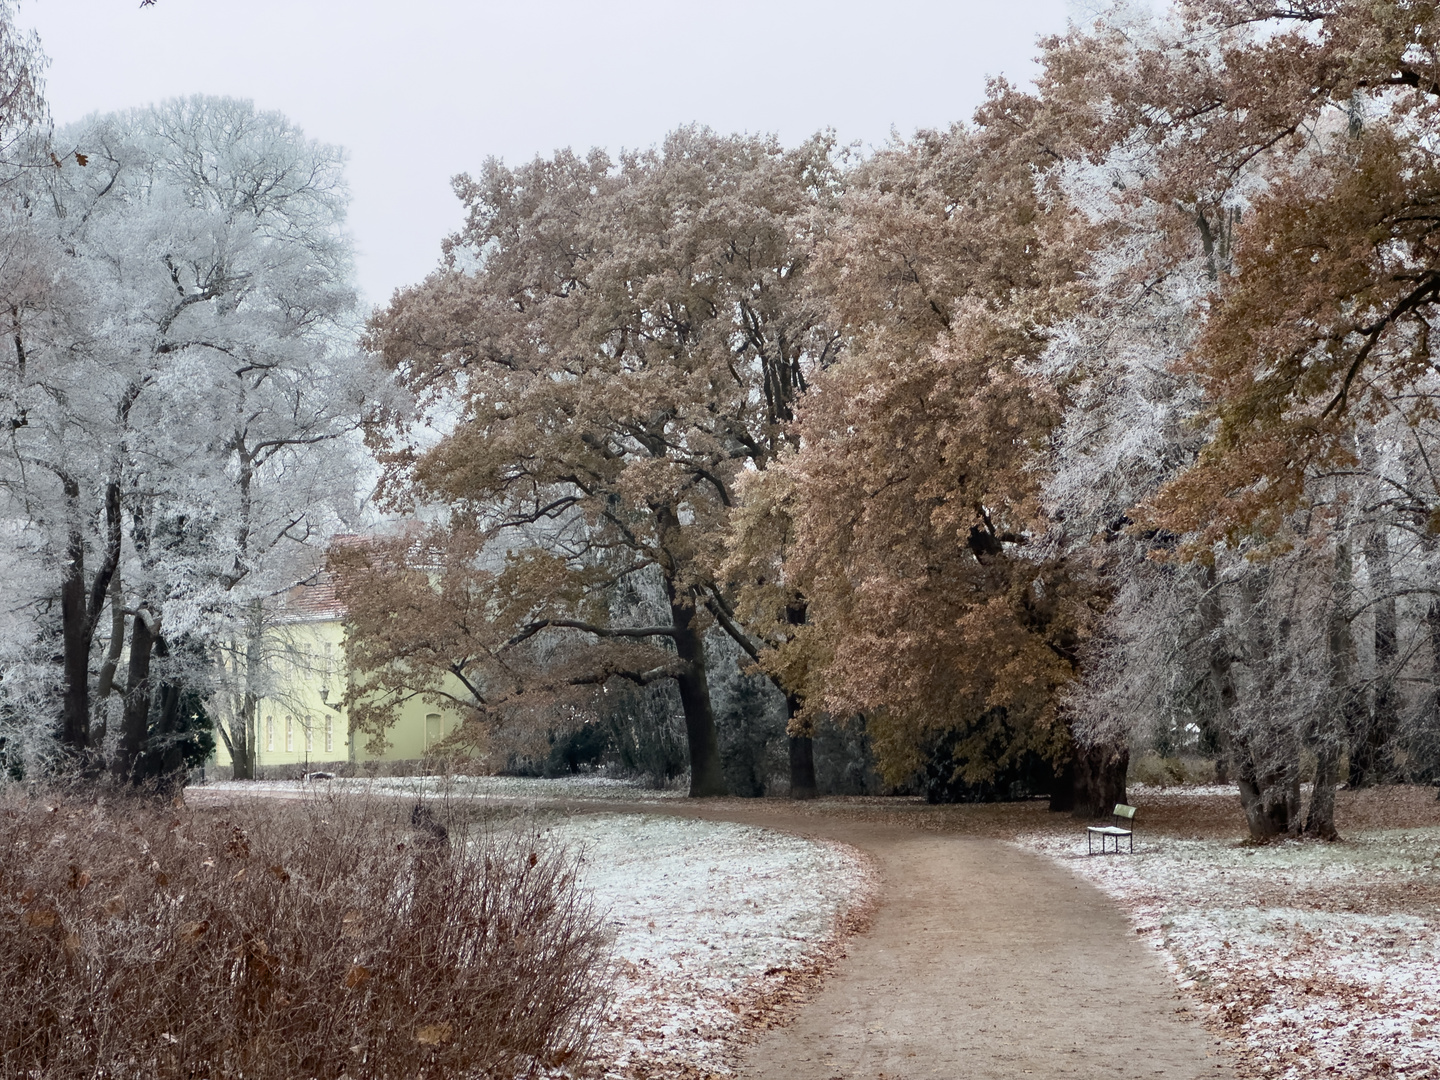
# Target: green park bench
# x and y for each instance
(1124, 826)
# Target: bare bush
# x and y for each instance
(333, 938)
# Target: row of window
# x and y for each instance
(305, 662)
(307, 731)
(434, 732)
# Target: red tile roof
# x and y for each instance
(312, 601)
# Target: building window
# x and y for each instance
(269, 733)
(432, 729)
(329, 734)
(289, 734)
(309, 735)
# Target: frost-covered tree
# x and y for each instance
(1265, 180)
(186, 387)
(22, 99)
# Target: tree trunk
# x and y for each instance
(241, 742)
(76, 633)
(1432, 621)
(1062, 790)
(1320, 821)
(706, 777)
(1370, 746)
(1329, 736)
(163, 758)
(1099, 780)
(1270, 797)
(1221, 680)
(802, 768)
(79, 609)
(1267, 771)
(111, 663)
(135, 722)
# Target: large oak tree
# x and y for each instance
(938, 610)
(608, 347)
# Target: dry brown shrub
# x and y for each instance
(326, 939)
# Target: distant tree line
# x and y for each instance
(1099, 423)
(1102, 421)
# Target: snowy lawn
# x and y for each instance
(1318, 959)
(711, 921)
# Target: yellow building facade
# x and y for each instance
(301, 724)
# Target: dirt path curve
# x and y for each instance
(983, 961)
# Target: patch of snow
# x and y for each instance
(1134, 790)
(703, 913)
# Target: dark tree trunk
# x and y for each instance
(163, 757)
(80, 607)
(241, 743)
(77, 634)
(1270, 798)
(1221, 681)
(105, 685)
(706, 777)
(1268, 759)
(802, 743)
(1062, 790)
(1099, 780)
(1320, 821)
(135, 722)
(240, 740)
(1432, 621)
(1267, 772)
(802, 767)
(1268, 777)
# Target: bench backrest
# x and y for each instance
(1126, 813)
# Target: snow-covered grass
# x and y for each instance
(708, 917)
(586, 787)
(1318, 959)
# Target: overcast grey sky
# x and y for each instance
(418, 90)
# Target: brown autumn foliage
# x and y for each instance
(337, 938)
(614, 343)
(431, 616)
(914, 497)
(632, 349)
